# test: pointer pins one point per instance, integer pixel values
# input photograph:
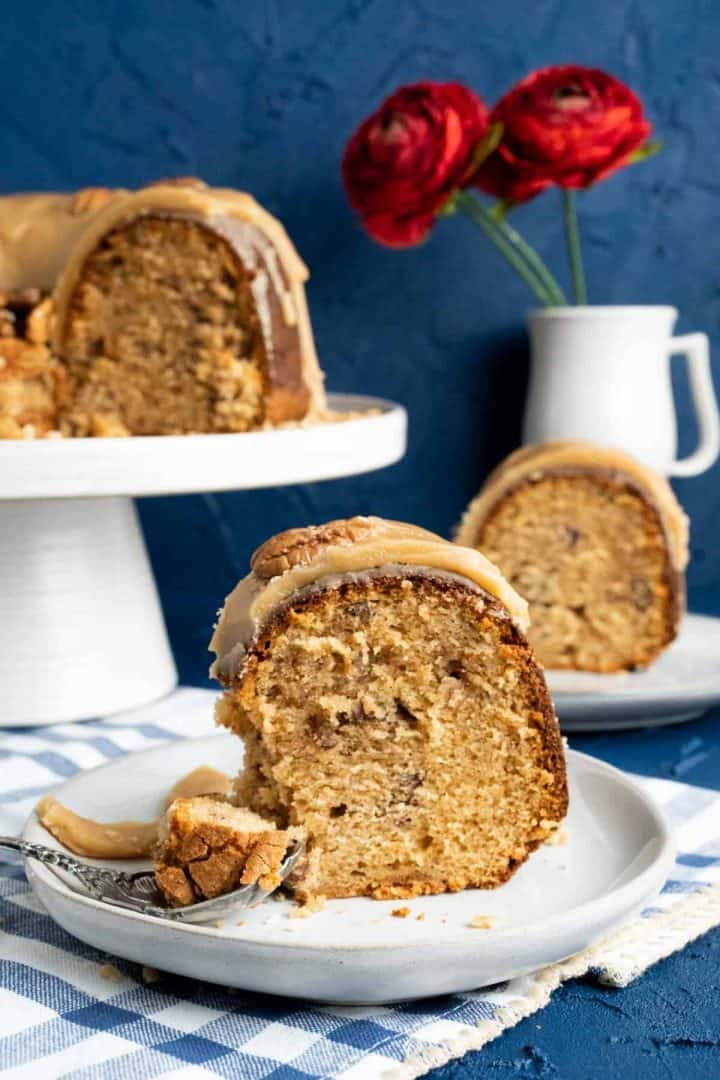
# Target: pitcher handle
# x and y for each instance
(696, 349)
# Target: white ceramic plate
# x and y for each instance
(173, 464)
(563, 899)
(680, 685)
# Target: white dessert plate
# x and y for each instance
(682, 684)
(618, 855)
(174, 464)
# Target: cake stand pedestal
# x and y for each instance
(81, 629)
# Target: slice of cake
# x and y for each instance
(176, 308)
(390, 706)
(596, 542)
(208, 847)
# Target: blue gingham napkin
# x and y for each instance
(68, 1010)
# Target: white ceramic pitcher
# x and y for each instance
(603, 373)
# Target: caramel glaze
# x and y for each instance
(123, 839)
(46, 238)
(326, 553)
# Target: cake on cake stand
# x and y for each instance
(81, 628)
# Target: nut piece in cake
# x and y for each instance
(208, 847)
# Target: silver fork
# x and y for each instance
(138, 891)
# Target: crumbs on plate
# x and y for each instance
(304, 911)
(110, 972)
(560, 837)
(482, 922)
(400, 912)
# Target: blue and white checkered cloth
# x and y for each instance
(64, 1011)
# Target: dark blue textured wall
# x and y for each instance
(263, 96)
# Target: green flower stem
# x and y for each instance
(572, 237)
(524, 260)
(533, 259)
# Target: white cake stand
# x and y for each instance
(81, 629)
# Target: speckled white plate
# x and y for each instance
(617, 857)
(682, 684)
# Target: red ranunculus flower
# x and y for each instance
(404, 161)
(568, 126)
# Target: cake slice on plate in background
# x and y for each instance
(597, 544)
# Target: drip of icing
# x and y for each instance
(534, 461)
(123, 839)
(387, 545)
(39, 232)
(96, 839)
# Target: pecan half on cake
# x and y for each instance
(176, 308)
(390, 706)
(597, 544)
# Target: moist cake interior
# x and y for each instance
(162, 333)
(404, 722)
(589, 554)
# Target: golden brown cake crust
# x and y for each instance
(200, 857)
(240, 704)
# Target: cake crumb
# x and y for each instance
(420, 917)
(559, 838)
(311, 907)
(401, 912)
(482, 922)
(151, 975)
(210, 847)
(110, 972)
